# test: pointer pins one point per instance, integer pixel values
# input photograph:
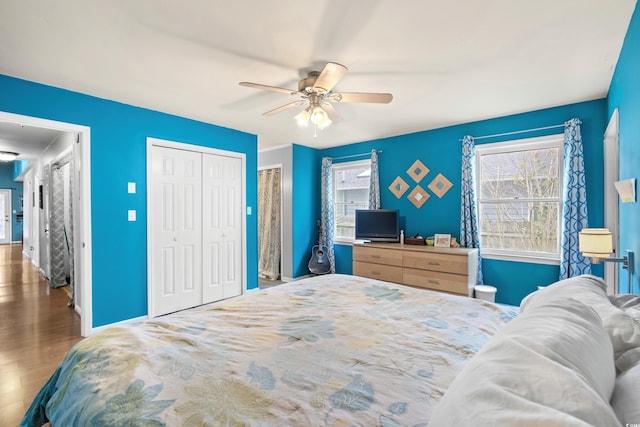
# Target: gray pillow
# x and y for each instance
(551, 365)
(623, 330)
(626, 394)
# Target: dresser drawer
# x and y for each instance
(377, 255)
(436, 262)
(446, 282)
(388, 273)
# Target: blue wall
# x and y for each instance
(7, 182)
(118, 155)
(18, 167)
(440, 151)
(624, 94)
(306, 206)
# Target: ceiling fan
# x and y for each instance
(316, 90)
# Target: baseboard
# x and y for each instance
(121, 323)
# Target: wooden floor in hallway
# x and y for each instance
(36, 331)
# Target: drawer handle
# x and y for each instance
(375, 256)
(376, 273)
(433, 282)
(433, 263)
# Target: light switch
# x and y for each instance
(132, 215)
(131, 187)
(249, 210)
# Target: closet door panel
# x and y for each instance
(176, 263)
(222, 231)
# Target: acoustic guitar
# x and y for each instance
(319, 262)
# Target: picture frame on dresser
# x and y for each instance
(442, 240)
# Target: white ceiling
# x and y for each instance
(445, 62)
(28, 141)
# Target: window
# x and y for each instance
(350, 192)
(519, 198)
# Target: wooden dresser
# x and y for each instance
(452, 270)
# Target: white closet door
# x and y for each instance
(176, 263)
(222, 228)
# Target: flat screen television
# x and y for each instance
(378, 225)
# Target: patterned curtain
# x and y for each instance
(327, 209)
(374, 182)
(269, 223)
(574, 203)
(469, 235)
(57, 230)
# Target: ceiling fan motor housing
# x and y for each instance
(306, 85)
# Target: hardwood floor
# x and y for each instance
(36, 331)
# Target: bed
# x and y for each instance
(342, 350)
(329, 350)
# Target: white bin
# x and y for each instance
(484, 292)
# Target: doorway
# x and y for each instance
(269, 224)
(5, 212)
(82, 209)
(611, 198)
(58, 233)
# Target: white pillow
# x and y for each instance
(552, 365)
(625, 396)
(623, 331)
(590, 290)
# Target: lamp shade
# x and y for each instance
(595, 242)
(303, 117)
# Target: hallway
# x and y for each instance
(36, 331)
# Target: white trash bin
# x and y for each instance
(486, 293)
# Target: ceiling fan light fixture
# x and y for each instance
(319, 117)
(302, 118)
(324, 123)
(317, 90)
(7, 156)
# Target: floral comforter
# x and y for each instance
(326, 351)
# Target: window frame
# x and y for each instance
(527, 144)
(335, 168)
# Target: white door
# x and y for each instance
(611, 198)
(176, 218)
(5, 220)
(222, 228)
(44, 227)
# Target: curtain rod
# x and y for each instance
(517, 132)
(354, 155)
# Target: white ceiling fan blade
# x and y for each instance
(331, 112)
(270, 88)
(374, 98)
(329, 76)
(284, 108)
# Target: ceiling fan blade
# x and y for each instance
(331, 112)
(329, 76)
(284, 107)
(375, 98)
(271, 88)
